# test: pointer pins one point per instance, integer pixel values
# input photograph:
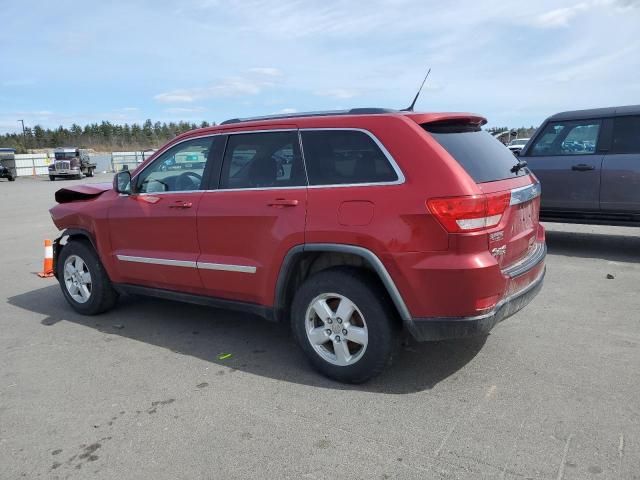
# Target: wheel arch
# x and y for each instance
(69, 234)
(304, 260)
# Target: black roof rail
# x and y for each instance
(326, 113)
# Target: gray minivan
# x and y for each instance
(588, 162)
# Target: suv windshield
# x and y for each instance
(483, 157)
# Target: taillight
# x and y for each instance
(470, 213)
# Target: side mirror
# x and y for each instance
(122, 182)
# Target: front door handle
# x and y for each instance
(181, 204)
(283, 202)
(582, 167)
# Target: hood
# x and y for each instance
(81, 192)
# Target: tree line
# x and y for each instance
(104, 136)
(107, 136)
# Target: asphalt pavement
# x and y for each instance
(140, 392)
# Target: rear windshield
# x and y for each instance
(483, 157)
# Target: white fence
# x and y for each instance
(128, 160)
(32, 164)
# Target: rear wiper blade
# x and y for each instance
(518, 166)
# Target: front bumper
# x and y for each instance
(433, 329)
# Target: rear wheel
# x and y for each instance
(343, 322)
(90, 172)
(11, 178)
(84, 282)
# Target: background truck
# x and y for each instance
(71, 163)
(8, 164)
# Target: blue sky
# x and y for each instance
(514, 62)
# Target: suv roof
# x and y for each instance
(597, 112)
(323, 113)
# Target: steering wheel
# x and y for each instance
(188, 181)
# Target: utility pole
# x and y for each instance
(24, 135)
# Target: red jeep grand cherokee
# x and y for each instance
(351, 225)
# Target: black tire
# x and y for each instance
(52, 178)
(90, 173)
(12, 178)
(102, 297)
(363, 290)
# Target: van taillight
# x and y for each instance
(470, 213)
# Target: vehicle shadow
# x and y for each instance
(619, 248)
(257, 346)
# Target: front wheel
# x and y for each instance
(343, 322)
(90, 173)
(52, 178)
(12, 178)
(84, 282)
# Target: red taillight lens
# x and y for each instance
(471, 213)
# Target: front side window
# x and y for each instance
(179, 169)
(262, 160)
(567, 138)
(339, 157)
(626, 134)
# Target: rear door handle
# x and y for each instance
(582, 167)
(181, 204)
(283, 202)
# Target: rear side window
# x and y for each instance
(577, 137)
(339, 157)
(262, 160)
(626, 135)
(483, 157)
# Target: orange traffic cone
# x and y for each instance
(47, 267)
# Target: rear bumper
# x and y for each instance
(443, 328)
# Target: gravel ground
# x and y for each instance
(552, 393)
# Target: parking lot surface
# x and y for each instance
(140, 392)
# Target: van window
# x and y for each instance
(263, 160)
(570, 137)
(483, 157)
(626, 135)
(339, 157)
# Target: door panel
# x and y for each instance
(247, 227)
(568, 182)
(565, 158)
(621, 183)
(621, 167)
(154, 233)
(154, 240)
(244, 237)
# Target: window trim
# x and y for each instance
(400, 174)
(399, 181)
(159, 153)
(242, 132)
(540, 134)
(612, 150)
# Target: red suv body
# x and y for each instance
(423, 218)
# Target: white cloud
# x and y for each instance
(338, 93)
(560, 17)
(267, 71)
(230, 87)
(185, 110)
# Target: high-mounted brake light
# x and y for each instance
(470, 213)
